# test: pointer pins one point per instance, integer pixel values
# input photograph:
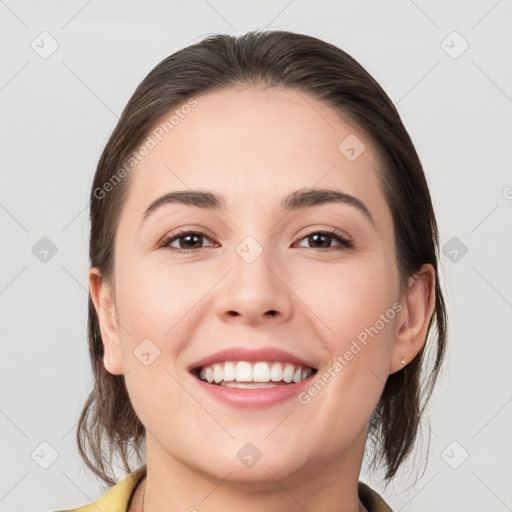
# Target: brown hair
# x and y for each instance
(108, 423)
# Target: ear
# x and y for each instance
(414, 318)
(104, 303)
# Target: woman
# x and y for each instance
(263, 282)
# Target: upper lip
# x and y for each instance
(245, 354)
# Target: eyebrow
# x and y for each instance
(297, 200)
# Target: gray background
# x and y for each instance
(57, 113)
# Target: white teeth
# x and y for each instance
(288, 372)
(218, 374)
(243, 371)
(260, 374)
(276, 372)
(229, 371)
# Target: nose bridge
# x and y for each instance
(253, 236)
(254, 288)
(253, 261)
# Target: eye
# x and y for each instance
(191, 241)
(320, 238)
(188, 241)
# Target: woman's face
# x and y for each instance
(258, 279)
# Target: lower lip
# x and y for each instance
(254, 398)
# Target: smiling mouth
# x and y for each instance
(252, 375)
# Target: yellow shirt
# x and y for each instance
(118, 497)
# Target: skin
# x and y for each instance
(254, 146)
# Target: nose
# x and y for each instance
(255, 292)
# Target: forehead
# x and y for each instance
(254, 146)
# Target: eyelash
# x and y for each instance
(344, 243)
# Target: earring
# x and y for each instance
(111, 358)
(403, 360)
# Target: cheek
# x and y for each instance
(355, 306)
(349, 300)
(155, 307)
(358, 307)
(152, 299)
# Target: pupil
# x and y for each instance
(188, 238)
(315, 237)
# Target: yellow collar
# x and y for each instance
(117, 498)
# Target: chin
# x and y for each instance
(258, 461)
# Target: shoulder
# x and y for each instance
(371, 499)
(117, 498)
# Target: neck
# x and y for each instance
(173, 486)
